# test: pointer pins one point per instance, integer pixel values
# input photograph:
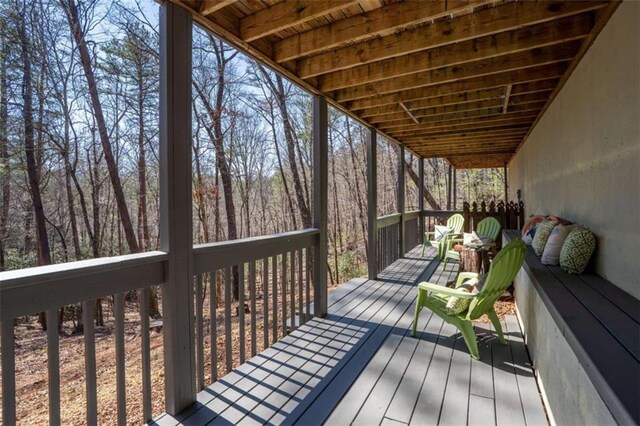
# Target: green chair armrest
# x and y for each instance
(464, 276)
(453, 241)
(445, 290)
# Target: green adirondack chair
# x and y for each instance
(455, 223)
(487, 227)
(503, 269)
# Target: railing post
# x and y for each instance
(402, 235)
(455, 188)
(421, 197)
(372, 203)
(320, 172)
(449, 187)
(176, 206)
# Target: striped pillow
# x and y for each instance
(542, 235)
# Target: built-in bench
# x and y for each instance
(583, 335)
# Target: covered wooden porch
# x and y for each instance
(359, 365)
(464, 80)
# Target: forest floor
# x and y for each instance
(31, 364)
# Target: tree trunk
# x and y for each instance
(76, 28)
(4, 153)
(427, 195)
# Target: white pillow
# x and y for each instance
(551, 253)
(441, 232)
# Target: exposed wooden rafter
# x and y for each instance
(507, 95)
(466, 79)
(409, 113)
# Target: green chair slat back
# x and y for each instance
(501, 273)
(489, 227)
(455, 223)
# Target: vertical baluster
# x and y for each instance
(8, 373)
(265, 301)
(300, 293)
(252, 296)
(292, 296)
(53, 364)
(121, 396)
(90, 361)
(283, 276)
(241, 334)
(143, 296)
(213, 330)
(199, 333)
(227, 316)
(274, 297)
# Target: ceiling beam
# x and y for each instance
(507, 95)
(379, 22)
(527, 59)
(448, 130)
(444, 119)
(409, 112)
(287, 14)
(481, 23)
(545, 34)
(208, 7)
(486, 82)
(511, 118)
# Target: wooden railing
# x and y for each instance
(272, 275)
(510, 215)
(389, 236)
(49, 288)
(275, 270)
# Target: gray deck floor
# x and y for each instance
(359, 365)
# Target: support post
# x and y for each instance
(421, 196)
(401, 199)
(176, 236)
(372, 203)
(455, 189)
(449, 188)
(506, 185)
(320, 172)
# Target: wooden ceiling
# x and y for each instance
(460, 79)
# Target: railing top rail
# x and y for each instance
(440, 213)
(31, 290)
(411, 215)
(388, 219)
(73, 270)
(260, 240)
(212, 256)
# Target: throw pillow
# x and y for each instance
(528, 237)
(532, 222)
(577, 250)
(441, 232)
(551, 253)
(457, 305)
(542, 234)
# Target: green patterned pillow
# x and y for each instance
(542, 235)
(457, 305)
(577, 250)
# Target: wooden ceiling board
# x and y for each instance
(463, 79)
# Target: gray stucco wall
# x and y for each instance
(582, 160)
(570, 397)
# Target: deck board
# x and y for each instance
(360, 365)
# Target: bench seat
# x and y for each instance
(583, 333)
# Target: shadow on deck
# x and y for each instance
(360, 365)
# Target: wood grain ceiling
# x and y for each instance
(461, 79)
